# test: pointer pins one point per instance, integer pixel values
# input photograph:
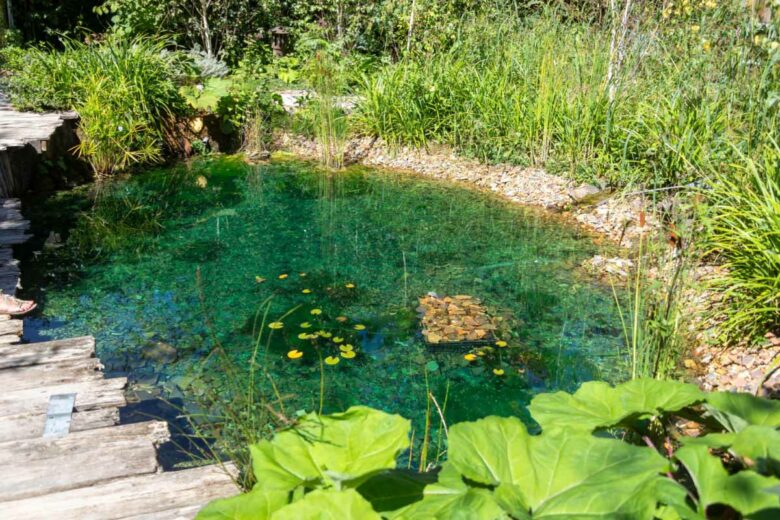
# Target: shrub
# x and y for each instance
(603, 452)
(744, 232)
(123, 89)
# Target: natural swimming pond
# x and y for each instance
(175, 261)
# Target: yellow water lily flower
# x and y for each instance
(360, 327)
(201, 181)
(498, 371)
(349, 285)
(346, 347)
(259, 279)
(295, 354)
(469, 357)
(275, 325)
(305, 325)
(349, 354)
(324, 334)
(337, 339)
(341, 319)
(306, 291)
(332, 360)
(501, 343)
(316, 312)
(283, 276)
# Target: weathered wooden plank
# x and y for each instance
(7, 224)
(15, 327)
(35, 467)
(46, 352)
(30, 426)
(103, 393)
(165, 496)
(13, 236)
(9, 339)
(47, 374)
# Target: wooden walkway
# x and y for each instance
(93, 467)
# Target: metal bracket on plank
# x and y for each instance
(58, 415)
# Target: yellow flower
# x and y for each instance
(774, 45)
(305, 325)
(360, 327)
(302, 275)
(349, 354)
(295, 354)
(469, 357)
(324, 334)
(306, 291)
(337, 339)
(332, 360)
(283, 276)
(706, 45)
(498, 371)
(350, 286)
(346, 348)
(316, 312)
(275, 325)
(695, 29)
(259, 279)
(341, 319)
(201, 181)
(501, 343)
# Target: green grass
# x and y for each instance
(533, 91)
(744, 234)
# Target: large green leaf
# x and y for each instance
(598, 405)
(342, 449)
(328, 504)
(747, 492)
(451, 499)
(758, 446)
(557, 473)
(735, 411)
(258, 504)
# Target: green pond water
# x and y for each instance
(192, 255)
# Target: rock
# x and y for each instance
(583, 191)
(160, 352)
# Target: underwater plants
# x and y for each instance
(640, 465)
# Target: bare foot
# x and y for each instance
(15, 306)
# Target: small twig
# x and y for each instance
(441, 415)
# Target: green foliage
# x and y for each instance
(123, 89)
(534, 91)
(496, 469)
(743, 220)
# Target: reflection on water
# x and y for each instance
(360, 245)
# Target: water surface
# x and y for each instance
(185, 257)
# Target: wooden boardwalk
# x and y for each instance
(92, 467)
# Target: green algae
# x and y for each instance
(185, 256)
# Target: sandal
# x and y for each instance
(15, 306)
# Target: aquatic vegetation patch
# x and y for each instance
(333, 262)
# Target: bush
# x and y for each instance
(603, 452)
(123, 89)
(744, 232)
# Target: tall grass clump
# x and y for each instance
(536, 90)
(123, 90)
(744, 233)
